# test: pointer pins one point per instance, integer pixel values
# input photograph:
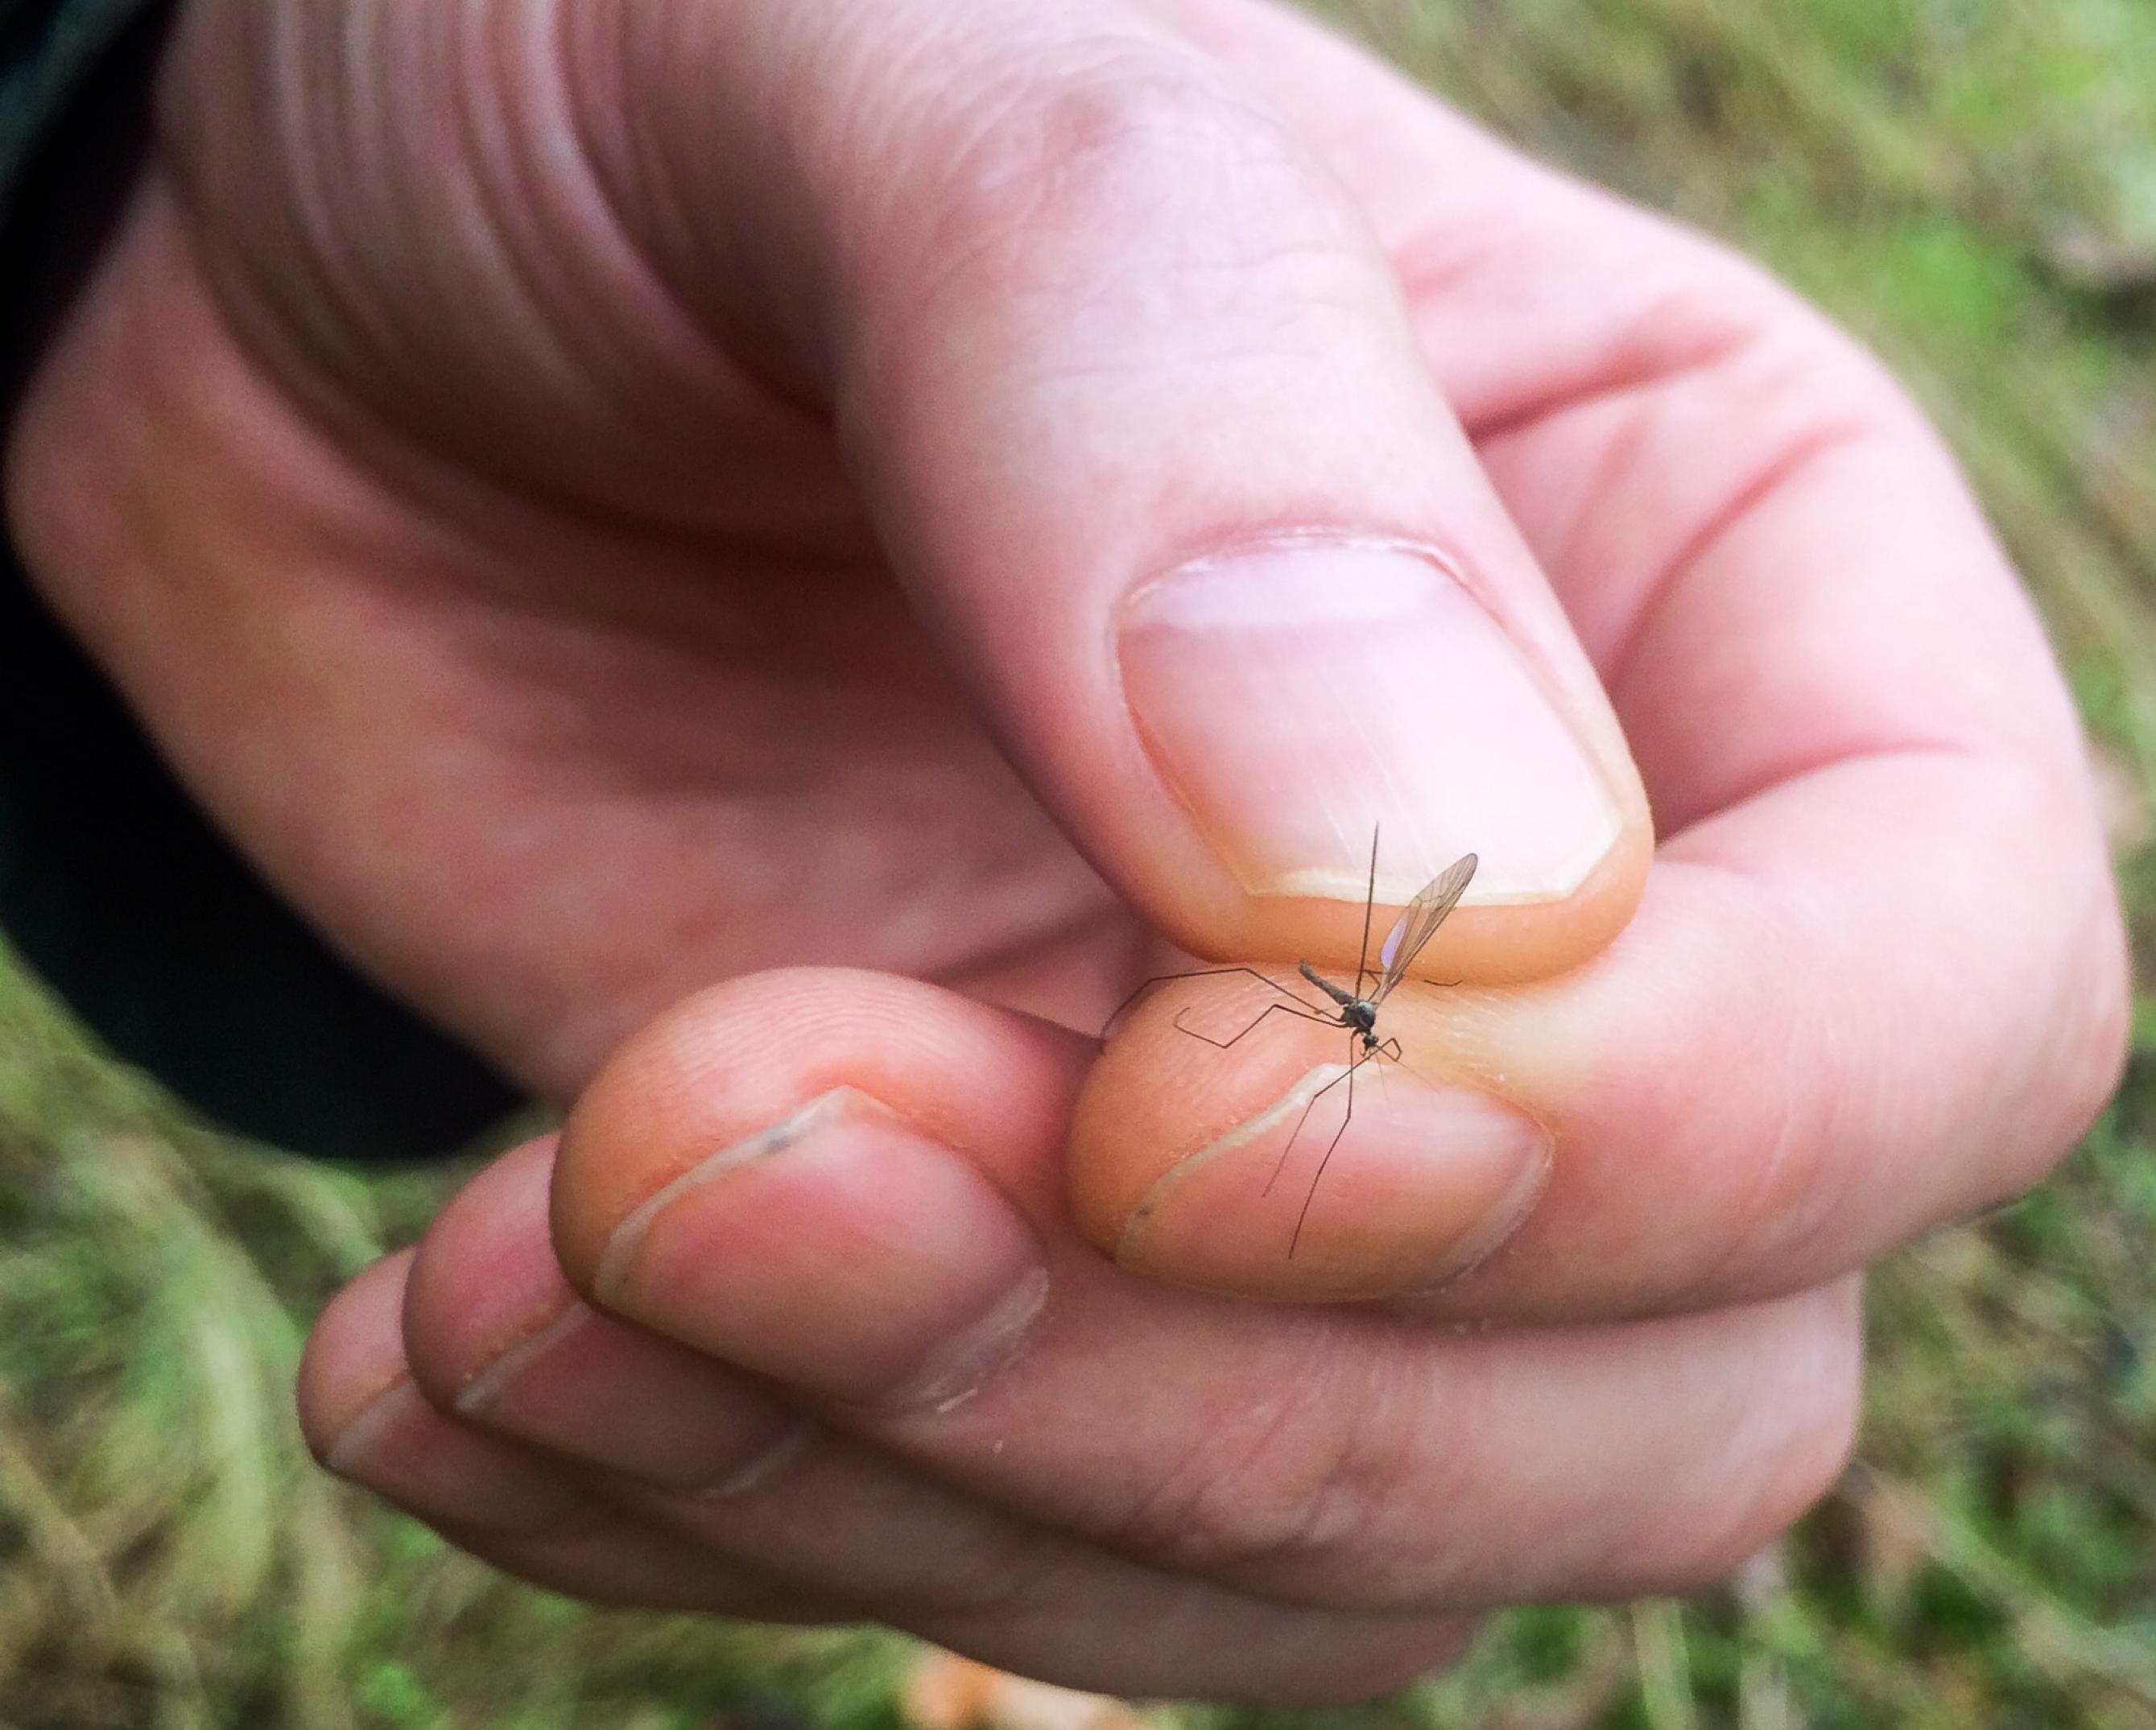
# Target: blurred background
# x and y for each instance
(1970, 185)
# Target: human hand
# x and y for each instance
(652, 552)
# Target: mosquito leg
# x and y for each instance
(1309, 1105)
(1390, 1051)
(1296, 1010)
(1123, 1008)
(1345, 1118)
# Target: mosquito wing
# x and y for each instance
(1419, 924)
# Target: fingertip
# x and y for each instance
(1268, 1169)
(354, 1353)
(1143, 1101)
(1494, 941)
(742, 1067)
(484, 1276)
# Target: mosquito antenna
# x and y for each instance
(1369, 902)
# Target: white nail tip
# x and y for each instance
(381, 1414)
(1130, 1242)
(478, 1393)
(612, 1274)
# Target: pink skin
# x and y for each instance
(597, 509)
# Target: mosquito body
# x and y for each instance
(1355, 1012)
(1358, 1014)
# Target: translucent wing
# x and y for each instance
(1419, 924)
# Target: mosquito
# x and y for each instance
(1356, 1010)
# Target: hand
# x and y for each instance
(604, 504)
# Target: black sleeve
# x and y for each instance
(113, 886)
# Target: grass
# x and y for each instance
(1970, 186)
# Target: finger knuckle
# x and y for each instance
(1290, 1483)
(1065, 162)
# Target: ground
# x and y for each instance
(1971, 186)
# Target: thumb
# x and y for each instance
(1135, 401)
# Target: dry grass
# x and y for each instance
(1971, 186)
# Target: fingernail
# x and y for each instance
(1419, 1185)
(843, 1251)
(400, 1447)
(1302, 693)
(600, 1391)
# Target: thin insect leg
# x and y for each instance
(1200, 973)
(1390, 1049)
(1346, 1117)
(1270, 1010)
(1309, 1105)
(1369, 902)
(1387, 1048)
